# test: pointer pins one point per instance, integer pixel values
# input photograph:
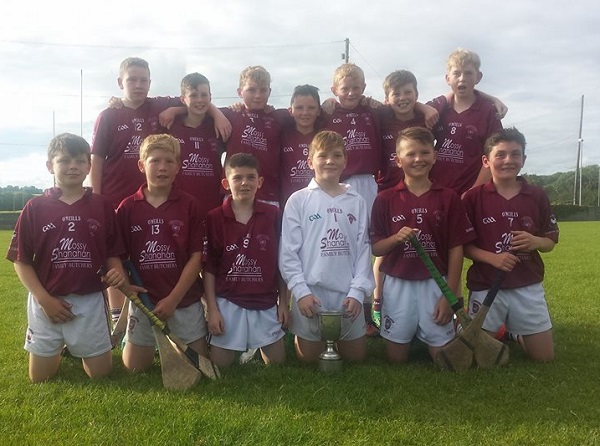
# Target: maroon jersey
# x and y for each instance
(460, 138)
(117, 136)
(362, 137)
(161, 240)
(258, 133)
(295, 173)
(390, 174)
(438, 214)
(67, 243)
(243, 257)
(494, 217)
(201, 170)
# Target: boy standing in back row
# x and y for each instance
(514, 223)
(466, 121)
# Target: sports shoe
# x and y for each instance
(372, 330)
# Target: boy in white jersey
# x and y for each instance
(413, 305)
(61, 239)
(324, 255)
(514, 223)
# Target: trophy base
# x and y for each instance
(330, 365)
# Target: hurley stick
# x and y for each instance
(455, 355)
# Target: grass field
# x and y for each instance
(370, 404)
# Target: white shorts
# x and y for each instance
(247, 329)
(407, 311)
(87, 335)
(308, 329)
(366, 186)
(524, 310)
(187, 323)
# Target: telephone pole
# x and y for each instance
(346, 53)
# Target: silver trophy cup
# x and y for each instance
(330, 324)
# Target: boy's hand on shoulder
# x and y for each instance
(166, 118)
(328, 106)
(505, 261)
(430, 115)
(57, 310)
(442, 313)
(352, 307)
(309, 305)
(216, 325)
(115, 102)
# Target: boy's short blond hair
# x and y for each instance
(348, 70)
(160, 142)
(133, 62)
(461, 57)
(70, 144)
(256, 74)
(419, 134)
(324, 141)
(397, 79)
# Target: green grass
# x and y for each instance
(374, 403)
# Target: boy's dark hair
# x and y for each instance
(241, 160)
(133, 62)
(192, 81)
(419, 134)
(397, 79)
(306, 90)
(510, 134)
(74, 145)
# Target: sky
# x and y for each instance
(59, 61)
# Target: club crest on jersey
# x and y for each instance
(263, 239)
(176, 226)
(527, 223)
(471, 131)
(351, 218)
(93, 226)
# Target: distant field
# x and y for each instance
(368, 404)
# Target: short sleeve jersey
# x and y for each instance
(390, 174)
(243, 257)
(117, 136)
(67, 243)
(494, 217)
(362, 137)
(325, 243)
(460, 138)
(161, 240)
(438, 214)
(201, 171)
(295, 173)
(258, 133)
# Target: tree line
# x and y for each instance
(559, 186)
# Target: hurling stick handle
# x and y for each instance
(435, 274)
(493, 291)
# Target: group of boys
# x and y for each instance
(353, 179)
